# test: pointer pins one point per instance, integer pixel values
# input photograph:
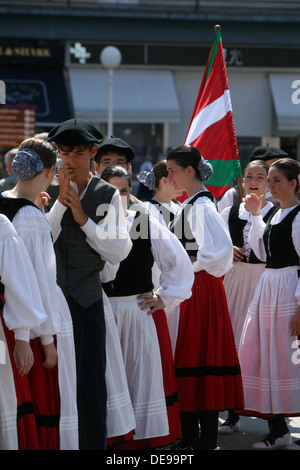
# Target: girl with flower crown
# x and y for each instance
(206, 363)
(51, 387)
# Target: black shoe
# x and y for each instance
(182, 445)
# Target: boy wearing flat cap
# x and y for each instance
(116, 152)
(268, 154)
(113, 152)
(88, 227)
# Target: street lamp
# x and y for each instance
(111, 58)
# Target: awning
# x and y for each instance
(39, 88)
(286, 102)
(138, 95)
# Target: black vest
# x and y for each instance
(10, 206)
(181, 228)
(134, 275)
(79, 265)
(278, 242)
(236, 226)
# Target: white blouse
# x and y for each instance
(247, 216)
(256, 236)
(23, 309)
(154, 211)
(215, 253)
(176, 273)
(32, 226)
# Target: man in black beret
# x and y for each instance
(268, 154)
(88, 227)
(116, 152)
(75, 132)
(113, 152)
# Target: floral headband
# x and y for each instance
(205, 169)
(26, 164)
(147, 178)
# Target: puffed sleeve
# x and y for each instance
(23, 309)
(176, 272)
(154, 212)
(256, 237)
(215, 253)
(226, 200)
(225, 215)
(33, 228)
(109, 272)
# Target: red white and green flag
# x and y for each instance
(211, 129)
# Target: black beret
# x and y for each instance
(75, 132)
(266, 152)
(116, 144)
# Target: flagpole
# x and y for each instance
(239, 178)
(241, 188)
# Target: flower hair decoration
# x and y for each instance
(147, 178)
(26, 164)
(205, 169)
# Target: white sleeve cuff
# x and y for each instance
(22, 334)
(89, 228)
(46, 339)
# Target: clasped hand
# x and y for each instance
(68, 196)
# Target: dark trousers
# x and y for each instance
(208, 421)
(90, 351)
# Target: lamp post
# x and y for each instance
(111, 58)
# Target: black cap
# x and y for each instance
(75, 132)
(266, 152)
(116, 144)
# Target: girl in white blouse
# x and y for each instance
(247, 268)
(206, 363)
(21, 311)
(162, 206)
(269, 342)
(141, 320)
(53, 374)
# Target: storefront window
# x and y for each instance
(146, 140)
